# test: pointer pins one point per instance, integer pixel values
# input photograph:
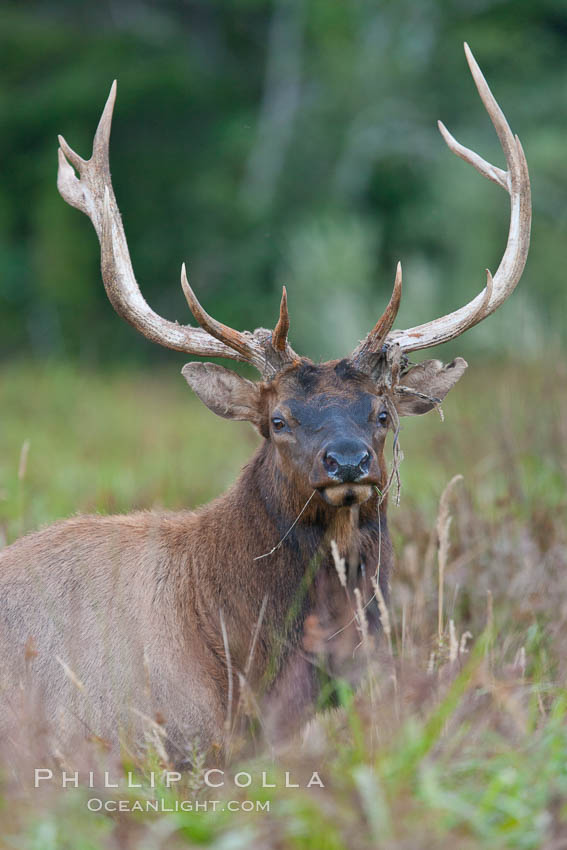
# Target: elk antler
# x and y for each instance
(516, 182)
(93, 194)
(372, 343)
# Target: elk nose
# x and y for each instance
(348, 464)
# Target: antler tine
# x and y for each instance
(491, 105)
(243, 343)
(516, 182)
(281, 330)
(497, 175)
(76, 192)
(92, 193)
(375, 339)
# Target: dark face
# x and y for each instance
(327, 423)
(328, 426)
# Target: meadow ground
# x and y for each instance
(459, 737)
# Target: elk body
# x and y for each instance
(107, 620)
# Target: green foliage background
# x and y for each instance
(278, 142)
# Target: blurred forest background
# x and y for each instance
(279, 141)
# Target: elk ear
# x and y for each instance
(224, 392)
(426, 384)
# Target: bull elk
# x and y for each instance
(172, 614)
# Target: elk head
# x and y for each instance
(327, 423)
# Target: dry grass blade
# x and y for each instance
(23, 464)
(228, 721)
(156, 735)
(340, 563)
(443, 528)
(70, 674)
(257, 628)
(290, 529)
(384, 615)
(453, 642)
(361, 620)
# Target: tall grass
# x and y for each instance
(458, 737)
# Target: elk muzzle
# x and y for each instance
(345, 472)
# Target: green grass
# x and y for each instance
(440, 748)
(109, 443)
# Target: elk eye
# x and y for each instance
(278, 424)
(383, 417)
